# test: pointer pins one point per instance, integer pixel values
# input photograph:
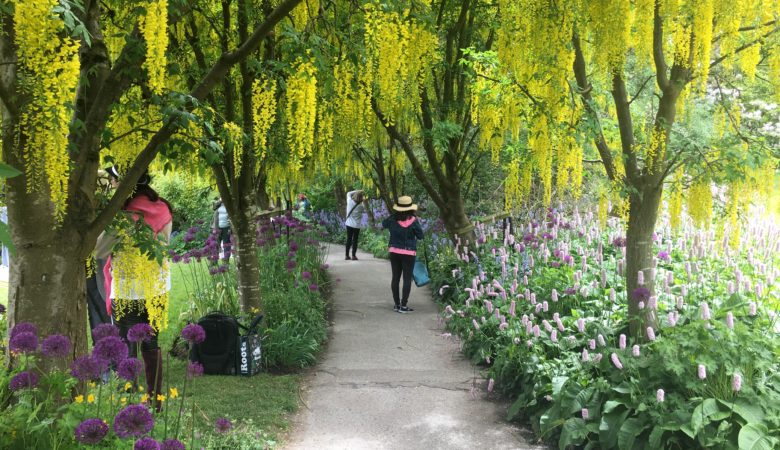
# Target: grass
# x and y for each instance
(265, 399)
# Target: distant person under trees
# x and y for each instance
(220, 225)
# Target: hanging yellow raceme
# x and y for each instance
(234, 141)
(700, 203)
(49, 69)
(154, 27)
(264, 105)
(304, 12)
(676, 201)
(301, 112)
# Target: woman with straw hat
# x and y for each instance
(405, 230)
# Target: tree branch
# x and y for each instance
(641, 88)
(626, 126)
(658, 48)
(744, 47)
(584, 88)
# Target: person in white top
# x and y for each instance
(354, 221)
(220, 225)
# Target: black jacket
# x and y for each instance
(403, 237)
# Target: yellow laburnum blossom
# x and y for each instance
(49, 67)
(676, 201)
(235, 141)
(700, 203)
(301, 111)
(264, 105)
(154, 28)
(303, 12)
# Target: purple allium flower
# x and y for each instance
(141, 332)
(736, 382)
(616, 361)
(619, 241)
(585, 413)
(664, 256)
(110, 349)
(223, 425)
(306, 275)
(702, 372)
(194, 333)
(23, 380)
(55, 346)
(133, 421)
(23, 327)
(635, 351)
(293, 246)
(172, 444)
(86, 368)
(570, 291)
(104, 330)
(91, 431)
(290, 264)
(24, 342)
(146, 443)
(130, 369)
(313, 287)
(194, 369)
(659, 395)
(641, 294)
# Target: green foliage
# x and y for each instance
(552, 353)
(191, 199)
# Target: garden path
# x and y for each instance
(393, 381)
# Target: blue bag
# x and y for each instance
(420, 273)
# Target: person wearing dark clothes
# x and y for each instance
(405, 231)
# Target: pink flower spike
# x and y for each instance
(650, 333)
(584, 413)
(554, 295)
(730, 320)
(635, 351)
(705, 311)
(554, 335)
(622, 341)
(616, 361)
(736, 382)
(592, 344)
(490, 385)
(702, 372)
(659, 395)
(602, 342)
(581, 325)
(753, 309)
(585, 355)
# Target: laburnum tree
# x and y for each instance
(68, 71)
(630, 76)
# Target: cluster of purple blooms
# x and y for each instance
(134, 421)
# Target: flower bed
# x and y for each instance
(546, 312)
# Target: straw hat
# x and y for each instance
(404, 203)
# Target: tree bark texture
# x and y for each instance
(247, 262)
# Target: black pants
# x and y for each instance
(96, 305)
(352, 239)
(133, 315)
(401, 265)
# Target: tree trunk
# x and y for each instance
(247, 262)
(455, 219)
(643, 213)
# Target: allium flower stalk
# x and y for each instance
(56, 346)
(91, 431)
(133, 421)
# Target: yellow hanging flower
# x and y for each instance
(154, 27)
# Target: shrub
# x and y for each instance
(191, 199)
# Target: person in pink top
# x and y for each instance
(405, 231)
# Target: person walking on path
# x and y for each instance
(405, 230)
(220, 225)
(354, 221)
(137, 288)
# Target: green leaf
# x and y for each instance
(7, 171)
(612, 404)
(574, 432)
(629, 431)
(557, 384)
(655, 437)
(5, 238)
(754, 437)
(702, 414)
(751, 412)
(610, 426)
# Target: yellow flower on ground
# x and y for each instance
(90, 398)
(123, 400)
(79, 399)
(144, 398)
(140, 388)
(128, 385)
(160, 398)
(174, 392)
(92, 384)
(113, 398)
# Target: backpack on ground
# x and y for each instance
(217, 352)
(225, 351)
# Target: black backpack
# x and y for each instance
(217, 352)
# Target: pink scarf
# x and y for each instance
(156, 214)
